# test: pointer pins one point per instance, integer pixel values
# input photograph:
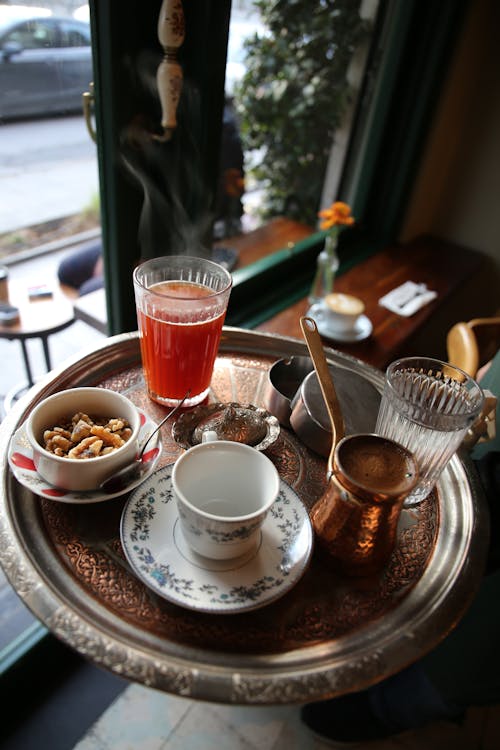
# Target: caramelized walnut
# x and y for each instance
(83, 437)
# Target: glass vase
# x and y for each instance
(327, 265)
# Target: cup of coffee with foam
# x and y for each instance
(342, 311)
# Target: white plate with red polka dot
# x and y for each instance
(21, 463)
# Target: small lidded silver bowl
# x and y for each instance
(239, 423)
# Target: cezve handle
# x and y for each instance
(315, 346)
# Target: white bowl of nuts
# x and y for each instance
(81, 436)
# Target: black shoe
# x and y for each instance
(347, 719)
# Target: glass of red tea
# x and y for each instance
(181, 306)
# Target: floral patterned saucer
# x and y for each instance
(21, 462)
(158, 554)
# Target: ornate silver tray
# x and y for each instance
(325, 637)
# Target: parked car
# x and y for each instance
(45, 65)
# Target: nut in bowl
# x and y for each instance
(99, 430)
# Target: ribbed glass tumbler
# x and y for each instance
(427, 406)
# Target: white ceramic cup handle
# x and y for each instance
(209, 436)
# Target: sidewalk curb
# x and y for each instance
(51, 247)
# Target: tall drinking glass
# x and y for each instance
(427, 406)
(181, 306)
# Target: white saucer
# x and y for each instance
(158, 554)
(361, 330)
(21, 462)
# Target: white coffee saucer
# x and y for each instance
(361, 330)
(21, 462)
(158, 554)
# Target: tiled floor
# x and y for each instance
(149, 720)
(144, 719)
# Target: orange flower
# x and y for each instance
(338, 214)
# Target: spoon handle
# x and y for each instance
(160, 424)
(315, 346)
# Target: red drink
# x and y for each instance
(180, 322)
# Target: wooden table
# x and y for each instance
(38, 318)
(277, 234)
(443, 267)
(327, 636)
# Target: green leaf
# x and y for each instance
(293, 95)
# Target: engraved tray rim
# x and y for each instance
(330, 668)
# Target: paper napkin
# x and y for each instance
(407, 299)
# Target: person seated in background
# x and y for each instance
(461, 672)
(82, 270)
(231, 181)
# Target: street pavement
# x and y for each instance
(48, 170)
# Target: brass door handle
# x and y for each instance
(88, 109)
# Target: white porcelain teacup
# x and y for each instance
(223, 490)
(342, 311)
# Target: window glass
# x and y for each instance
(73, 36)
(34, 35)
(291, 88)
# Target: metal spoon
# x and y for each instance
(124, 477)
(315, 346)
